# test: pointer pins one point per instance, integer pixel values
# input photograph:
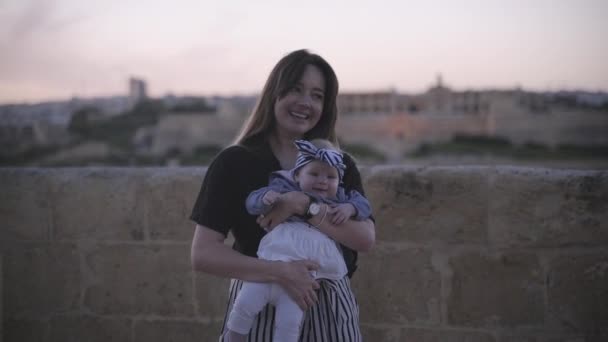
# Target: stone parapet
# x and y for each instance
(488, 254)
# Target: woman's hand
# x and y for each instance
(297, 280)
(210, 255)
(286, 205)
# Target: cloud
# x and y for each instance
(42, 17)
(36, 16)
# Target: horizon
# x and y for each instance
(58, 50)
(342, 91)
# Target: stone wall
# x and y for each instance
(476, 254)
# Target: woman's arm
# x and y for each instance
(209, 254)
(357, 235)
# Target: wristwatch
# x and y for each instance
(313, 208)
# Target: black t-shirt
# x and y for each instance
(233, 174)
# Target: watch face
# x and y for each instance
(314, 208)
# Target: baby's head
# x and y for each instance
(319, 167)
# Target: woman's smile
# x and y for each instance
(299, 115)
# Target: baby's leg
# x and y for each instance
(249, 302)
(289, 316)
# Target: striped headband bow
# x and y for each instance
(307, 152)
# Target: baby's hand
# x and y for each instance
(341, 213)
(270, 197)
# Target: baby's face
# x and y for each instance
(319, 178)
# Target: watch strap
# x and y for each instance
(312, 200)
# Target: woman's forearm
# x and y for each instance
(358, 235)
(209, 254)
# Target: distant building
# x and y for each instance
(439, 99)
(137, 91)
(46, 123)
(372, 102)
(22, 126)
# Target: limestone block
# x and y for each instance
(601, 337)
(182, 331)
(18, 330)
(397, 286)
(99, 203)
(502, 290)
(139, 279)
(90, 329)
(578, 293)
(169, 197)
(211, 295)
(548, 208)
(375, 333)
(440, 335)
(424, 205)
(546, 337)
(25, 208)
(40, 279)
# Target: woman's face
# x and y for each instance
(300, 109)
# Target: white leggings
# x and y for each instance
(334, 317)
(253, 297)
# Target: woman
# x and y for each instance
(297, 102)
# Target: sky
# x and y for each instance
(58, 49)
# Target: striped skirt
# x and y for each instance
(335, 316)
